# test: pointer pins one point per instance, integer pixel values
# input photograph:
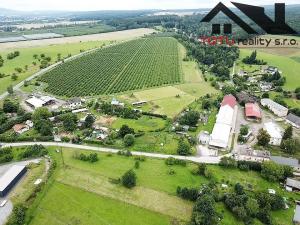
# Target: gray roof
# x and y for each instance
(74, 100)
(297, 214)
(9, 176)
(285, 161)
(293, 183)
(293, 118)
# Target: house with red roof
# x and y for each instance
(252, 111)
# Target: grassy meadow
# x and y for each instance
(83, 193)
(145, 123)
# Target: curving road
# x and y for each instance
(39, 73)
(201, 159)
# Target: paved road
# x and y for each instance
(203, 159)
(5, 211)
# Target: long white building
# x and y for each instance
(220, 136)
(10, 178)
(276, 108)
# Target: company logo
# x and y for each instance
(255, 13)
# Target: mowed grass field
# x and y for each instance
(137, 64)
(26, 58)
(82, 192)
(65, 204)
(171, 100)
(286, 63)
(145, 123)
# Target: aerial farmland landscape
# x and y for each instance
(149, 113)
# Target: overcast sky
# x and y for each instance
(83, 5)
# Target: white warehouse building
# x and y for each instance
(276, 108)
(226, 117)
(275, 133)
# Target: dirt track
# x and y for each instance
(118, 35)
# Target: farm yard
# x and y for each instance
(136, 64)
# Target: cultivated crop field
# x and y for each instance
(137, 64)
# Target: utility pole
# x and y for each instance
(62, 157)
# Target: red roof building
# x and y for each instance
(252, 111)
(229, 100)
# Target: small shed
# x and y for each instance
(204, 138)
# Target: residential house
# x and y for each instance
(204, 138)
(293, 120)
(265, 86)
(252, 155)
(276, 108)
(74, 103)
(100, 133)
(115, 102)
(29, 123)
(20, 128)
(275, 133)
(270, 70)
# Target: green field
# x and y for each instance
(291, 102)
(132, 65)
(72, 30)
(145, 123)
(159, 142)
(26, 58)
(288, 66)
(86, 195)
(80, 207)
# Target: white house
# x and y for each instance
(276, 108)
(275, 133)
(115, 102)
(29, 123)
(74, 103)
